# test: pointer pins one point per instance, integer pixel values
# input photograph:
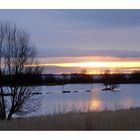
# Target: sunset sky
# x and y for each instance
(70, 40)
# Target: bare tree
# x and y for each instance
(17, 59)
(110, 81)
(106, 78)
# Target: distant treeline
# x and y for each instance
(38, 79)
(21, 79)
(88, 78)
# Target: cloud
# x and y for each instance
(79, 52)
(80, 32)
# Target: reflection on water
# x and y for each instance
(88, 96)
(95, 104)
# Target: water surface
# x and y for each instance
(87, 97)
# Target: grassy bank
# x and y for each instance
(106, 120)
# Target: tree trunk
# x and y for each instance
(10, 115)
(3, 113)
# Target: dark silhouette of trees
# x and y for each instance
(81, 78)
(110, 81)
(135, 77)
(17, 65)
(106, 78)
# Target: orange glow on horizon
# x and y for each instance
(93, 65)
(97, 64)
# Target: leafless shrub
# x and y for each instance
(17, 59)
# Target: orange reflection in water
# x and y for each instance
(95, 105)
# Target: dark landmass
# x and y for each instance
(61, 79)
(52, 79)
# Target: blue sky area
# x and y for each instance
(58, 33)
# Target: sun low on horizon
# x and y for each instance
(69, 69)
(93, 64)
(70, 40)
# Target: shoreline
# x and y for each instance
(123, 119)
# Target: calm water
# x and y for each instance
(126, 96)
